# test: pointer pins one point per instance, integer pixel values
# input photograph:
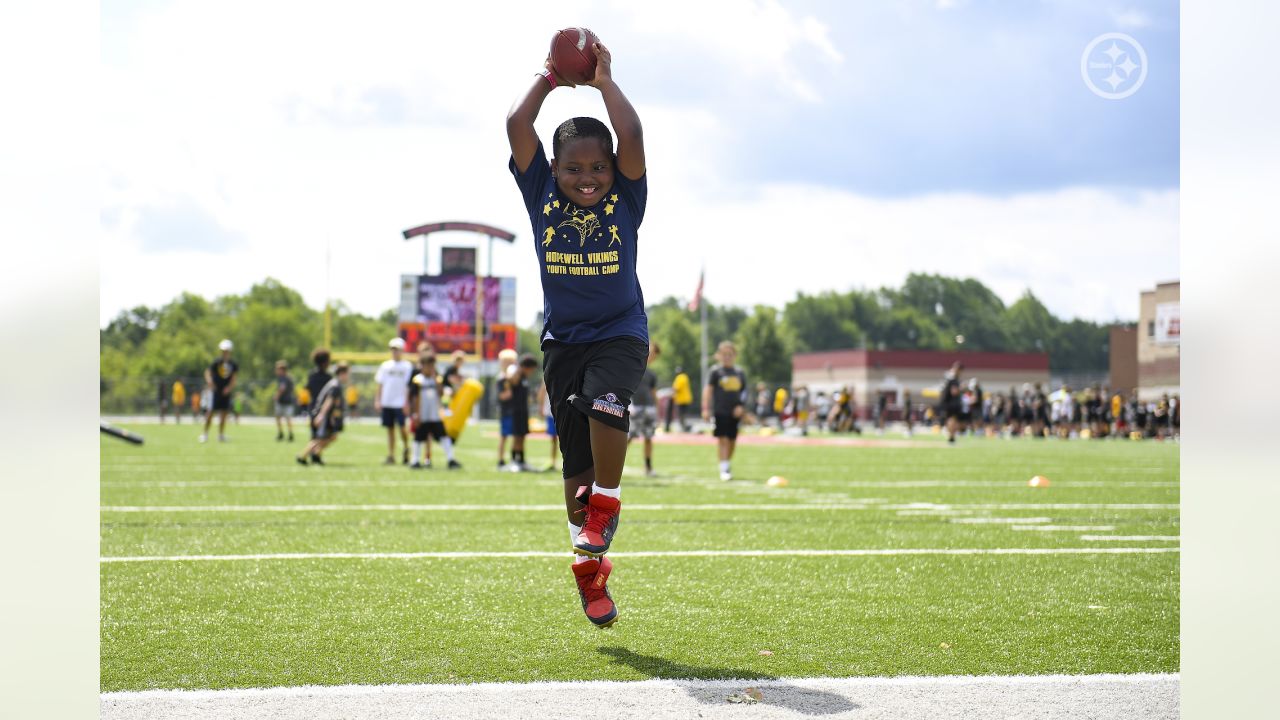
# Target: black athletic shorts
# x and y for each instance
(726, 427)
(433, 429)
(590, 380)
(220, 401)
(953, 409)
(329, 427)
(392, 417)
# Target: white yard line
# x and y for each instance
(459, 508)
(864, 552)
(1066, 528)
(1048, 697)
(1132, 538)
(426, 477)
(663, 507)
(1000, 520)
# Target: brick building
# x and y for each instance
(871, 373)
(1159, 341)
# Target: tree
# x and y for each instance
(764, 348)
(822, 322)
(680, 347)
(1030, 325)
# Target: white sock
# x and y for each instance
(724, 466)
(417, 450)
(573, 532)
(615, 493)
(447, 444)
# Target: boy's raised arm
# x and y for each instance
(520, 132)
(622, 116)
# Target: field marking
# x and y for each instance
(427, 477)
(865, 552)
(1148, 696)
(1000, 520)
(460, 508)
(664, 507)
(1133, 538)
(1066, 528)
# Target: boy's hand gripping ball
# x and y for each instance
(573, 55)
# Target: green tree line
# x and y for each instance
(928, 312)
(270, 322)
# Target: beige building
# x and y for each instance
(872, 373)
(1159, 338)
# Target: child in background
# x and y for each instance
(725, 397)
(284, 400)
(644, 409)
(506, 371)
(544, 402)
(329, 416)
(518, 388)
(426, 391)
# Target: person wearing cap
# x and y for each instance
(392, 396)
(220, 377)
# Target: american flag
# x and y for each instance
(697, 294)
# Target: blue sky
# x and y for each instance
(921, 135)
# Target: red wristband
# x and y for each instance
(549, 77)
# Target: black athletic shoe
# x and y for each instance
(315, 459)
(302, 460)
(406, 457)
(455, 465)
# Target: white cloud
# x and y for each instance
(301, 130)
(1130, 18)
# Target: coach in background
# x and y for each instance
(220, 376)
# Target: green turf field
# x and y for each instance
(258, 622)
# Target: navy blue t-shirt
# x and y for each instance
(587, 256)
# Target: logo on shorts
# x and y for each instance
(608, 403)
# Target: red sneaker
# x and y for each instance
(599, 527)
(592, 576)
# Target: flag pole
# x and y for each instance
(702, 309)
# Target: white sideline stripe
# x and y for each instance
(1000, 521)
(1066, 528)
(1132, 538)
(867, 552)
(460, 508)
(911, 507)
(1104, 697)
(425, 482)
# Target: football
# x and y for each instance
(573, 55)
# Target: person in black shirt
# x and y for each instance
(515, 395)
(725, 397)
(316, 382)
(221, 377)
(285, 400)
(952, 402)
(328, 414)
(644, 409)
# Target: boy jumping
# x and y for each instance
(585, 207)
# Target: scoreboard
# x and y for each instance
(443, 310)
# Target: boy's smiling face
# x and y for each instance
(584, 171)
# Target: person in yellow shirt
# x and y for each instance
(353, 397)
(179, 397)
(779, 404)
(681, 399)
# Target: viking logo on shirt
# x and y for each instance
(584, 221)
